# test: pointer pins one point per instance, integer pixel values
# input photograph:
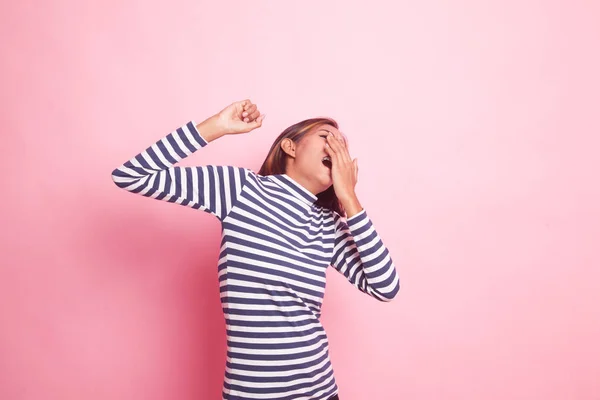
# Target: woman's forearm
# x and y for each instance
(210, 129)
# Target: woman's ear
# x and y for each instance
(288, 147)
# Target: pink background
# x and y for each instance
(477, 132)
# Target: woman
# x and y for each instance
(281, 229)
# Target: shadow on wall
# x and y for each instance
(155, 273)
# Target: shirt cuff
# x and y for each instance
(203, 141)
(357, 217)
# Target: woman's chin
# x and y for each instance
(326, 180)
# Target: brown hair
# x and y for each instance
(275, 162)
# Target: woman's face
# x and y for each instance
(308, 164)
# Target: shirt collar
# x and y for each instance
(294, 188)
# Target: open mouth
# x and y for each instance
(326, 161)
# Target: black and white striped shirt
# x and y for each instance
(276, 246)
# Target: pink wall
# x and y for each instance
(476, 127)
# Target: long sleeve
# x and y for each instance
(360, 255)
(152, 173)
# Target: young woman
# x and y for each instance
(281, 229)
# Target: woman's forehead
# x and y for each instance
(329, 128)
(325, 128)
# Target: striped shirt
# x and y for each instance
(276, 247)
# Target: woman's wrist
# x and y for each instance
(210, 129)
(351, 206)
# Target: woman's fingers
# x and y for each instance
(246, 104)
(248, 108)
(337, 150)
(338, 147)
(250, 112)
(329, 150)
(332, 146)
(254, 115)
(344, 146)
(257, 123)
